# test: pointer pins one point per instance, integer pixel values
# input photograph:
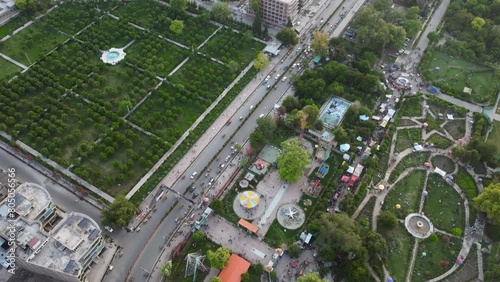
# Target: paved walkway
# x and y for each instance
(14, 61)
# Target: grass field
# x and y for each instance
(32, 43)
(439, 141)
(400, 244)
(406, 138)
(443, 205)
(407, 193)
(413, 160)
(494, 135)
(456, 74)
(7, 69)
(455, 128)
(443, 163)
(445, 249)
(13, 24)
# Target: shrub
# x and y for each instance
(456, 231)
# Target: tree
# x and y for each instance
(489, 202)
(293, 161)
(287, 36)
(257, 139)
(375, 244)
(215, 279)
(177, 26)
(198, 236)
(312, 112)
(338, 234)
(261, 61)
(255, 5)
(267, 126)
(412, 27)
(433, 36)
(220, 10)
(119, 213)
(166, 269)
(478, 23)
(456, 231)
(319, 43)
(387, 220)
(245, 277)
(290, 103)
(294, 251)
(178, 5)
(219, 258)
(310, 277)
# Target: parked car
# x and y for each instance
(195, 195)
(192, 189)
(109, 229)
(227, 158)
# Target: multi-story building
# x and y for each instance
(278, 12)
(48, 241)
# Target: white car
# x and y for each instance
(194, 174)
(261, 115)
(268, 77)
(277, 76)
(269, 86)
(109, 229)
(227, 158)
(284, 78)
(251, 107)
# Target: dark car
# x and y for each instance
(195, 195)
(192, 189)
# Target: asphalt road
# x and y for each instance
(142, 248)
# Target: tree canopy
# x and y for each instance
(310, 277)
(263, 132)
(338, 234)
(166, 269)
(119, 213)
(219, 258)
(177, 26)
(287, 36)
(319, 43)
(220, 10)
(489, 202)
(387, 220)
(215, 279)
(375, 244)
(179, 5)
(261, 61)
(293, 161)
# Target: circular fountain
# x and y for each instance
(419, 225)
(113, 56)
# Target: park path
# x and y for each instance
(14, 61)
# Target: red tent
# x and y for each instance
(354, 178)
(345, 178)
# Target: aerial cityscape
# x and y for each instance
(249, 140)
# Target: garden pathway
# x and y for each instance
(14, 61)
(210, 37)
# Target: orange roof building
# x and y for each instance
(234, 268)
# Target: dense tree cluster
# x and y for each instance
(339, 80)
(293, 160)
(263, 132)
(489, 202)
(119, 213)
(288, 36)
(475, 29)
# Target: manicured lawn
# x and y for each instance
(117, 87)
(412, 106)
(494, 135)
(229, 46)
(456, 74)
(204, 78)
(155, 55)
(407, 193)
(400, 244)
(168, 112)
(406, 138)
(456, 128)
(439, 141)
(14, 24)
(32, 43)
(413, 160)
(443, 163)
(7, 69)
(429, 266)
(443, 205)
(465, 181)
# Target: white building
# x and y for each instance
(61, 249)
(277, 12)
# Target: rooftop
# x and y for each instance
(69, 245)
(31, 200)
(29, 236)
(233, 269)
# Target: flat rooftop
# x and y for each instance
(31, 200)
(29, 236)
(333, 112)
(69, 245)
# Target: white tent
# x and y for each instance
(440, 171)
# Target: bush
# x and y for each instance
(456, 231)
(388, 220)
(433, 238)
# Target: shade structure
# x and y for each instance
(389, 279)
(425, 124)
(398, 206)
(396, 155)
(459, 140)
(427, 164)
(381, 187)
(205, 200)
(345, 147)
(249, 199)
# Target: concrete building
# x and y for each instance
(48, 241)
(277, 12)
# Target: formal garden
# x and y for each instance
(92, 139)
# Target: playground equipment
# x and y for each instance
(322, 171)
